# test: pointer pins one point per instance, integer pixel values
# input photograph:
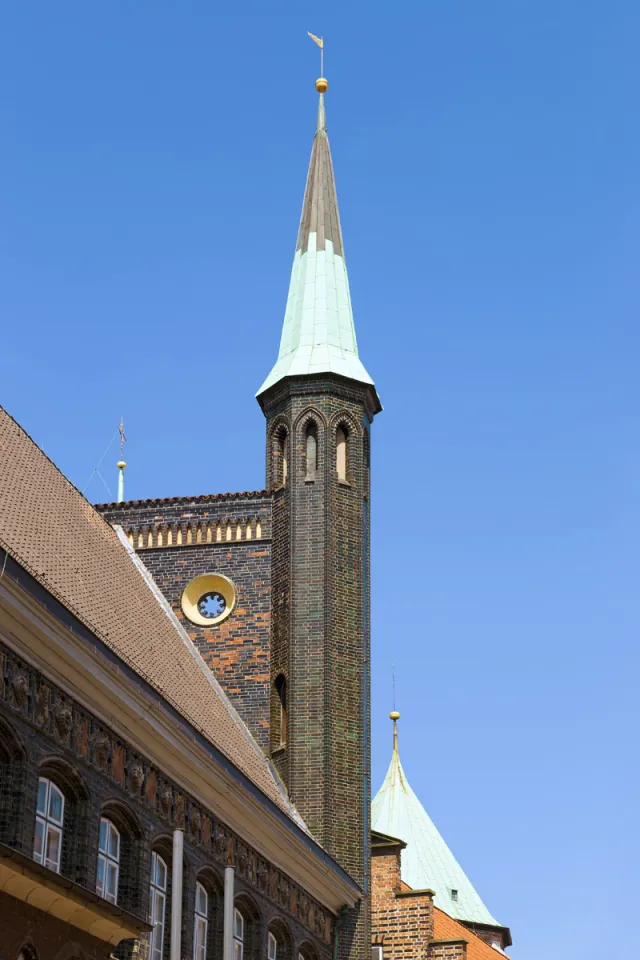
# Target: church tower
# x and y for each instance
(319, 403)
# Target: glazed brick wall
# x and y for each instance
(29, 725)
(320, 609)
(238, 649)
(53, 939)
(402, 921)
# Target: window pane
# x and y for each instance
(114, 842)
(56, 803)
(112, 882)
(237, 950)
(100, 876)
(102, 845)
(238, 925)
(201, 900)
(161, 873)
(38, 843)
(272, 947)
(42, 796)
(52, 848)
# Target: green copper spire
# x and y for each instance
(427, 861)
(318, 334)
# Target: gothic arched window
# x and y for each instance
(311, 450)
(342, 453)
(281, 706)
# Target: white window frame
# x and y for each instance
(272, 947)
(238, 935)
(200, 924)
(157, 906)
(49, 824)
(108, 860)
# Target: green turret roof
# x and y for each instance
(427, 861)
(318, 334)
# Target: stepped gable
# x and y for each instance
(55, 534)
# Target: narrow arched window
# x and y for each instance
(201, 923)
(47, 845)
(280, 457)
(311, 450)
(281, 693)
(157, 904)
(108, 861)
(341, 453)
(238, 935)
(272, 948)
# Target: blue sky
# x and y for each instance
(487, 157)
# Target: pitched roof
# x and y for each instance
(446, 928)
(427, 861)
(49, 528)
(318, 334)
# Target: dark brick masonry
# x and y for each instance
(45, 733)
(237, 649)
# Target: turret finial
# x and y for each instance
(121, 463)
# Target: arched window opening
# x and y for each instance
(281, 706)
(311, 451)
(108, 861)
(157, 904)
(279, 941)
(342, 457)
(28, 952)
(272, 948)
(238, 935)
(201, 923)
(47, 846)
(280, 457)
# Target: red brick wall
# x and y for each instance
(402, 921)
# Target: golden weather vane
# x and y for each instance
(320, 42)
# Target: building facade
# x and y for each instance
(184, 707)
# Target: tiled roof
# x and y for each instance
(49, 528)
(446, 928)
(318, 333)
(427, 861)
(199, 498)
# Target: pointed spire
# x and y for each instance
(427, 862)
(318, 334)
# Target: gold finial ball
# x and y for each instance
(322, 85)
(394, 715)
(121, 464)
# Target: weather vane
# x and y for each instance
(320, 43)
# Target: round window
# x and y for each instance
(209, 599)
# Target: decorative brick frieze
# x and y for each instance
(50, 724)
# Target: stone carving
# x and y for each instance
(166, 799)
(219, 842)
(20, 687)
(136, 777)
(195, 821)
(101, 750)
(63, 717)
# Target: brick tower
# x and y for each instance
(319, 403)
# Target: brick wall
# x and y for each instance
(43, 731)
(237, 649)
(401, 920)
(320, 611)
